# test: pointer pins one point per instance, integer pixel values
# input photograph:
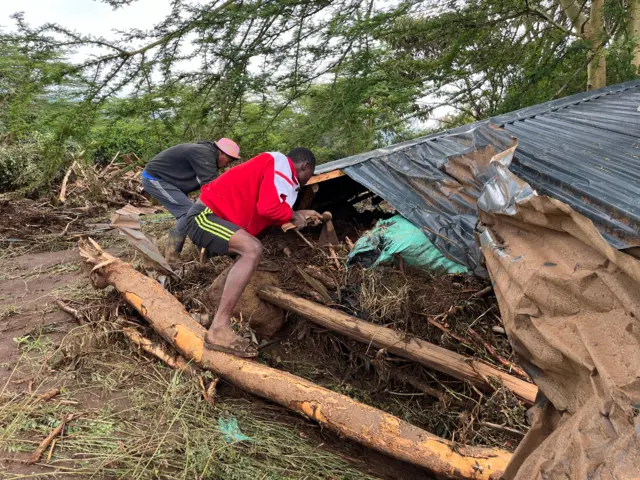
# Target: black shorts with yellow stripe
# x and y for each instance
(208, 231)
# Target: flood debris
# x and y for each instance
(394, 342)
(354, 420)
(35, 457)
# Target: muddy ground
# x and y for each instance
(138, 418)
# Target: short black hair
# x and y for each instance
(302, 155)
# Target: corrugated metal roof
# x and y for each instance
(583, 150)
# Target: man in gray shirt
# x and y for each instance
(180, 170)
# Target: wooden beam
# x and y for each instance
(359, 422)
(325, 176)
(420, 351)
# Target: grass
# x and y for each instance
(143, 420)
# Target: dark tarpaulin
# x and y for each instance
(435, 185)
(583, 150)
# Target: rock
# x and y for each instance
(264, 318)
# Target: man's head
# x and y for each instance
(305, 163)
(228, 151)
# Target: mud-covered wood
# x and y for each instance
(359, 422)
(420, 351)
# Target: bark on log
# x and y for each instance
(356, 421)
(419, 351)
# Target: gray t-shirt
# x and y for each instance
(187, 166)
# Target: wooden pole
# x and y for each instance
(359, 422)
(420, 351)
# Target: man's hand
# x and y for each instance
(302, 217)
(299, 221)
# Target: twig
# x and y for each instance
(483, 292)
(317, 285)
(303, 238)
(334, 257)
(482, 315)
(53, 445)
(492, 351)
(502, 428)
(66, 228)
(444, 329)
(111, 162)
(47, 441)
(71, 311)
(209, 392)
(319, 275)
(421, 386)
(48, 395)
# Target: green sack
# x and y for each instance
(398, 236)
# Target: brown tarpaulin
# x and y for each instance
(570, 304)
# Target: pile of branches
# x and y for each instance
(114, 185)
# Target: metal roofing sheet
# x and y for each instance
(583, 150)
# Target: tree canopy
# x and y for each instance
(339, 77)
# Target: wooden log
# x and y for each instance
(349, 418)
(323, 177)
(415, 349)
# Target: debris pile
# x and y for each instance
(460, 383)
(82, 207)
(116, 184)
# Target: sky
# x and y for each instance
(86, 16)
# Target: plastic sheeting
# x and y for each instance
(397, 236)
(583, 150)
(436, 186)
(570, 304)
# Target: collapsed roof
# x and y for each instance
(583, 150)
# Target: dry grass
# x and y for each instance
(385, 299)
(139, 419)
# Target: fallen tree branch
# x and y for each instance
(63, 189)
(492, 351)
(420, 351)
(47, 441)
(356, 421)
(71, 311)
(158, 351)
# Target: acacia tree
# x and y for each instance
(492, 56)
(219, 54)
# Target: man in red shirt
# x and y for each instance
(231, 211)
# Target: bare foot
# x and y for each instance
(227, 341)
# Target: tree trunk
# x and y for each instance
(634, 13)
(364, 424)
(590, 29)
(420, 351)
(594, 34)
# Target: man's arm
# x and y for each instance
(205, 166)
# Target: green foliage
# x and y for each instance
(19, 164)
(338, 77)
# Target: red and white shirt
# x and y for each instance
(256, 194)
